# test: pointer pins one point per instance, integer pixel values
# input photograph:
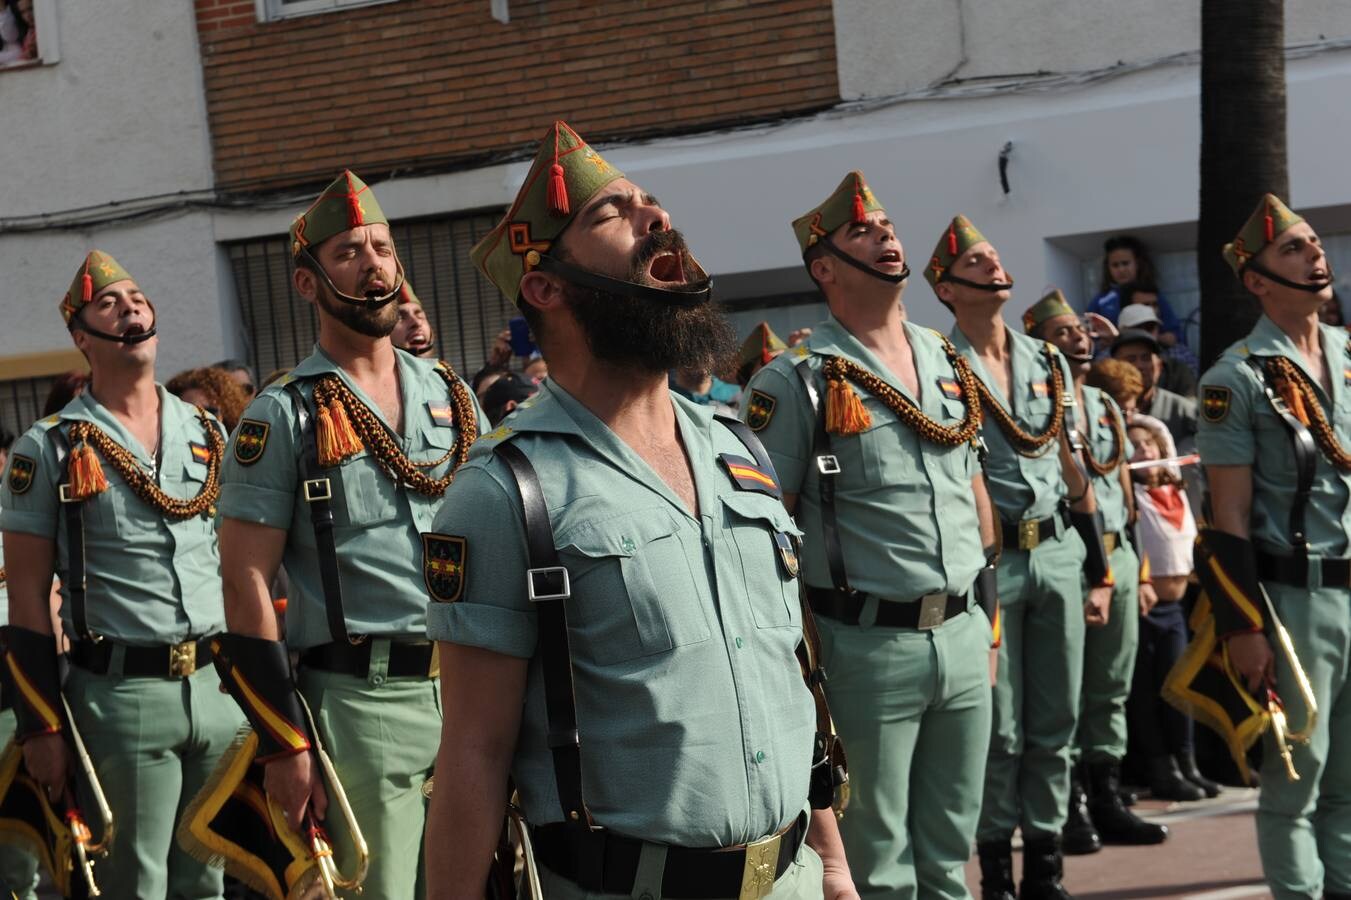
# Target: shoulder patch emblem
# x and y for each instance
(760, 410)
(443, 559)
(1214, 403)
(951, 388)
(21, 471)
(250, 441)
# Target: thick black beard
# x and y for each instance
(376, 323)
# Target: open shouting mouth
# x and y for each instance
(667, 268)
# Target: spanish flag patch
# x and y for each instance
(1041, 389)
(749, 477)
(200, 452)
(950, 388)
(441, 414)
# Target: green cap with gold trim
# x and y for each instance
(960, 237)
(343, 205)
(1269, 219)
(851, 202)
(406, 294)
(759, 348)
(96, 272)
(565, 175)
(1048, 307)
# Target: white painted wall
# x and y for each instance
(120, 118)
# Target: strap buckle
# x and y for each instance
(548, 583)
(183, 659)
(828, 464)
(64, 492)
(317, 490)
(1029, 534)
(933, 611)
(762, 858)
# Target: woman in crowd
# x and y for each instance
(1126, 262)
(214, 391)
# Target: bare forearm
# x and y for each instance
(249, 558)
(824, 837)
(985, 512)
(29, 563)
(1080, 491)
(248, 606)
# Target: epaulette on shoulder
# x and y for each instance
(497, 435)
(279, 385)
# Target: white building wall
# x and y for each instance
(121, 117)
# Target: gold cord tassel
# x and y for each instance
(1293, 398)
(86, 473)
(336, 437)
(845, 412)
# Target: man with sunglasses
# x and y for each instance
(334, 471)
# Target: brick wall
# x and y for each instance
(438, 84)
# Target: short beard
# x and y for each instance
(376, 323)
(649, 335)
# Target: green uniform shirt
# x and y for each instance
(1238, 427)
(377, 521)
(1022, 487)
(149, 580)
(1094, 422)
(891, 485)
(696, 727)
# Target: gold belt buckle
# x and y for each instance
(1109, 542)
(1029, 534)
(183, 659)
(933, 610)
(762, 857)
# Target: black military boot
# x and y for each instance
(996, 870)
(1186, 764)
(1166, 781)
(1043, 867)
(1115, 823)
(1081, 838)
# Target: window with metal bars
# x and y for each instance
(21, 401)
(464, 307)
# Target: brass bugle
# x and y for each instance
(1285, 736)
(518, 826)
(330, 875)
(84, 844)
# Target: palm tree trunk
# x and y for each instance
(1242, 150)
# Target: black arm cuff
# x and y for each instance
(257, 673)
(1226, 566)
(33, 681)
(1096, 565)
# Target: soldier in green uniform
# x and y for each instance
(332, 469)
(1273, 404)
(613, 579)
(116, 494)
(413, 332)
(1050, 532)
(1096, 812)
(873, 426)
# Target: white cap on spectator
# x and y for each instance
(1137, 314)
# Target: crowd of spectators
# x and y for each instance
(18, 32)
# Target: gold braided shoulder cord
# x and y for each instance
(1294, 387)
(912, 416)
(1026, 443)
(382, 446)
(1104, 469)
(143, 485)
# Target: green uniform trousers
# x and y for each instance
(154, 743)
(1304, 827)
(18, 867)
(802, 881)
(1036, 696)
(1109, 665)
(382, 734)
(913, 710)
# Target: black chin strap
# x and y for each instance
(366, 302)
(627, 288)
(992, 287)
(864, 267)
(1311, 287)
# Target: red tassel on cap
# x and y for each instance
(860, 212)
(556, 197)
(86, 288)
(952, 240)
(1270, 225)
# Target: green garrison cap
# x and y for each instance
(960, 237)
(851, 202)
(406, 294)
(760, 346)
(565, 175)
(1048, 307)
(1269, 219)
(96, 272)
(344, 204)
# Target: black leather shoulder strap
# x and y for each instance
(317, 489)
(752, 443)
(1306, 456)
(827, 470)
(549, 588)
(77, 581)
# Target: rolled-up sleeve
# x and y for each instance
(262, 491)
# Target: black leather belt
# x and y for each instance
(1029, 533)
(689, 874)
(406, 658)
(1293, 570)
(926, 613)
(158, 661)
